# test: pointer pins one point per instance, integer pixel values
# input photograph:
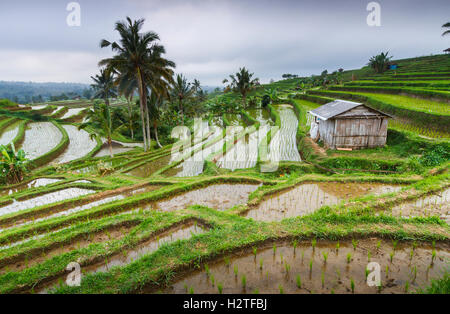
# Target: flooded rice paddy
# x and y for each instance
(433, 205)
(95, 203)
(80, 144)
(219, 196)
(193, 165)
(146, 170)
(40, 138)
(44, 200)
(33, 184)
(9, 133)
(283, 146)
(304, 269)
(182, 232)
(116, 149)
(72, 112)
(307, 198)
(244, 154)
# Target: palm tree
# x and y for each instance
(153, 103)
(182, 91)
(139, 65)
(104, 86)
(447, 32)
(99, 118)
(380, 62)
(242, 83)
(196, 85)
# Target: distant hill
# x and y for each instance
(26, 92)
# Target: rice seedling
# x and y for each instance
(406, 286)
(433, 244)
(281, 257)
(212, 280)
(366, 272)
(287, 267)
(433, 256)
(274, 249)
(207, 270)
(414, 245)
(298, 281)
(379, 287)
(414, 272)
(354, 243)
(325, 257)
(255, 250)
(220, 288)
(338, 273)
(387, 271)
(394, 244)
(235, 269)
(294, 244)
(322, 277)
(227, 261)
(280, 287)
(256, 291)
(411, 254)
(337, 246)
(391, 256)
(369, 256)
(191, 290)
(244, 281)
(313, 243)
(310, 265)
(349, 258)
(260, 264)
(352, 285)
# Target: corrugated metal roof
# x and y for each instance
(335, 108)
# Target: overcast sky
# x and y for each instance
(209, 39)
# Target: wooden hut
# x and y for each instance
(343, 124)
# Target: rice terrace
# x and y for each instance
(144, 180)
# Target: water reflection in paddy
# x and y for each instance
(306, 198)
(433, 205)
(303, 270)
(44, 200)
(219, 196)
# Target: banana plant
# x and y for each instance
(12, 164)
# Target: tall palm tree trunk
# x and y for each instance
(147, 123)
(142, 104)
(155, 128)
(181, 110)
(110, 146)
(130, 126)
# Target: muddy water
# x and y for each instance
(179, 233)
(9, 134)
(72, 112)
(433, 205)
(308, 197)
(333, 276)
(33, 184)
(44, 200)
(283, 145)
(148, 169)
(219, 196)
(40, 138)
(80, 144)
